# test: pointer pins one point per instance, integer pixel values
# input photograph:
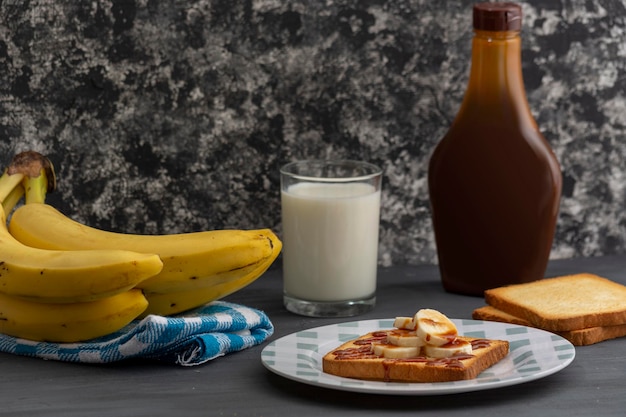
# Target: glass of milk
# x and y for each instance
(330, 218)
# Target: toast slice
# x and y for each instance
(581, 337)
(490, 313)
(355, 359)
(565, 303)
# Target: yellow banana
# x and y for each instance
(55, 276)
(11, 200)
(12, 189)
(73, 322)
(191, 261)
(179, 301)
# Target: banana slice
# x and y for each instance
(378, 349)
(400, 352)
(434, 328)
(404, 323)
(455, 347)
(404, 338)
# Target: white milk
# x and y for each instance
(330, 241)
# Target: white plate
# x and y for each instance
(533, 354)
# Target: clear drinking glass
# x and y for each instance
(330, 215)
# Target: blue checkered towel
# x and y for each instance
(190, 339)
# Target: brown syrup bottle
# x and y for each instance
(494, 182)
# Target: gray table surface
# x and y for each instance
(238, 384)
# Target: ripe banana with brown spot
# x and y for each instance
(72, 322)
(56, 276)
(191, 261)
(179, 301)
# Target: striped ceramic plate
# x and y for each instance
(533, 354)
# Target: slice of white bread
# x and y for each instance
(581, 337)
(565, 303)
(490, 313)
(354, 359)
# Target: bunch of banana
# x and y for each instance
(197, 268)
(58, 295)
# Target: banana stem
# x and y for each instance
(38, 175)
(8, 182)
(11, 200)
(35, 188)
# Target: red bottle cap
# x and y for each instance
(497, 17)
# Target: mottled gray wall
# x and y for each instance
(166, 116)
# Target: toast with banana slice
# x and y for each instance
(425, 348)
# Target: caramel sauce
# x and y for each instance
(480, 343)
(401, 333)
(362, 352)
(375, 338)
(454, 361)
